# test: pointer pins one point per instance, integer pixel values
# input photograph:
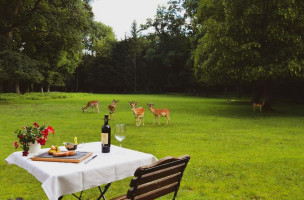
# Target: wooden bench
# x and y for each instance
(156, 180)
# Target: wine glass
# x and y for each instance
(120, 132)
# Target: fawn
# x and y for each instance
(138, 113)
(91, 104)
(112, 109)
(164, 112)
(256, 104)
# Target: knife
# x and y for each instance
(86, 162)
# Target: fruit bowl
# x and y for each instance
(70, 146)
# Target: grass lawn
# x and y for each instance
(235, 153)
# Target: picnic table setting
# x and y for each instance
(76, 167)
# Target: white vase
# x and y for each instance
(34, 148)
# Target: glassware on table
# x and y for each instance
(120, 132)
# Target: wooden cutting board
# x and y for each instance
(76, 158)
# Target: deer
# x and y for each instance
(112, 109)
(138, 113)
(91, 104)
(258, 104)
(164, 112)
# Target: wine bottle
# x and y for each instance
(106, 136)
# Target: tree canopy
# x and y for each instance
(48, 33)
(252, 41)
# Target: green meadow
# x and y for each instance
(235, 153)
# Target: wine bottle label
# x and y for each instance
(104, 138)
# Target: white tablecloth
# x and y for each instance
(59, 178)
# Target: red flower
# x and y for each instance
(50, 129)
(16, 145)
(29, 134)
(25, 153)
(45, 132)
(41, 141)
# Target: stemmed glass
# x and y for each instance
(120, 132)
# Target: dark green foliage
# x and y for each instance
(250, 41)
(18, 66)
(47, 32)
(96, 69)
(168, 57)
(157, 62)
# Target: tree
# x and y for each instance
(135, 49)
(102, 39)
(16, 66)
(49, 32)
(255, 41)
(14, 14)
(168, 57)
(95, 73)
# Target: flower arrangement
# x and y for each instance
(30, 134)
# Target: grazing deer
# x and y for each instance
(138, 113)
(256, 104)
(164, 112)
(91, 104)
(112, 109)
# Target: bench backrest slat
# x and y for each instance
(158, 179)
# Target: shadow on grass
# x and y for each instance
(243, 109)
(4, 101)
(90, 113)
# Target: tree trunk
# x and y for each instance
(134, 60)
(77, 84)
(267, 98)
(1, 87)
(17, 87)
(239, 91)
(10, 31)
(225, 92)
(41, 89)
(27, 90)
(32, 87)
(48, 88)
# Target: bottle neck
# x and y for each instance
(106, 120)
